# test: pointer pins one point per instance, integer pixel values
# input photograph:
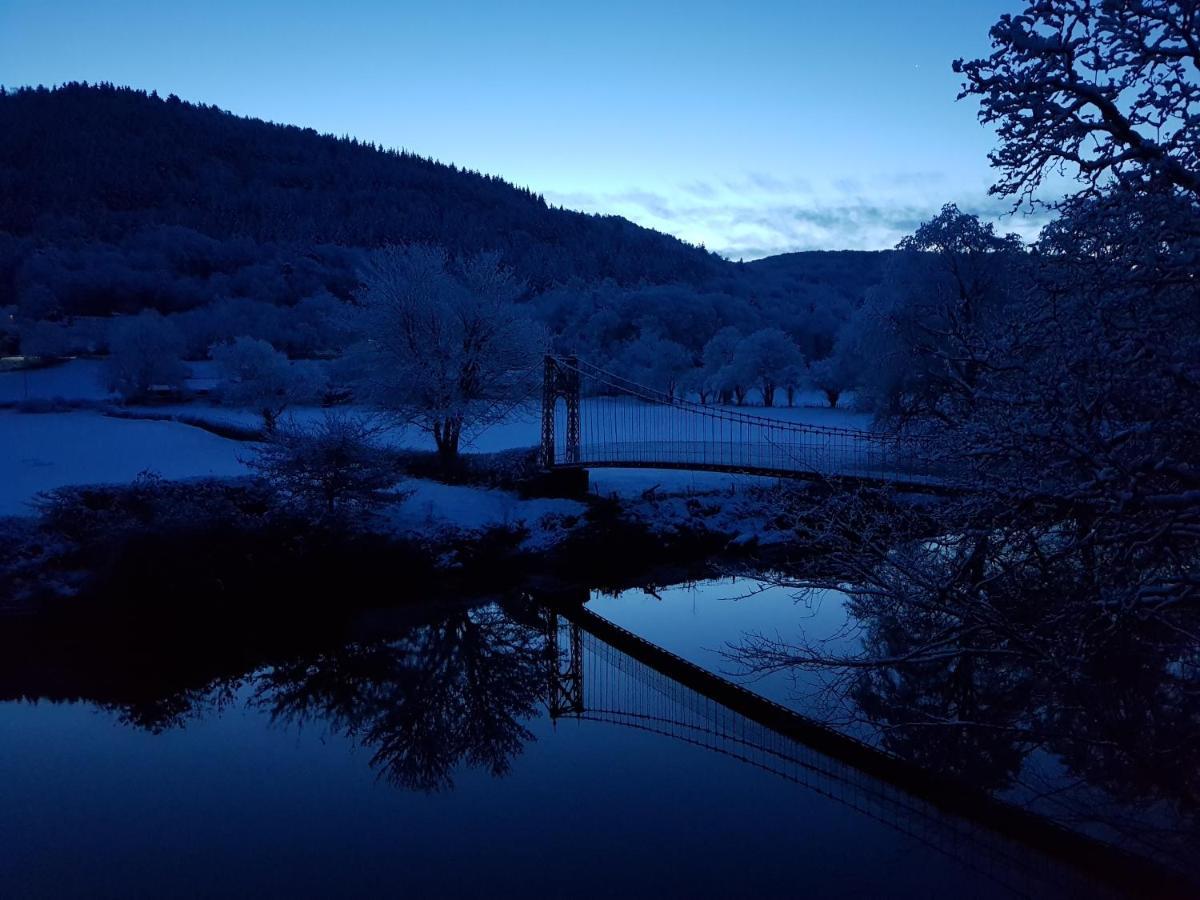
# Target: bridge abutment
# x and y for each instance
(570, 484)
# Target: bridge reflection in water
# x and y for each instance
(602, 673)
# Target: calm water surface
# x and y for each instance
(430, 763)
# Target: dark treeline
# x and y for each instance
(103, 163)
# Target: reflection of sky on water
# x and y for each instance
(232, 804)
(699, 621)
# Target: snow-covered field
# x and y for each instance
(432, 508)
(40, 451)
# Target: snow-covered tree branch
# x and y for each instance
(445, 345)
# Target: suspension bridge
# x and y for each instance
(601, 673)
(593, 418)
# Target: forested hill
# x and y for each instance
(847, 274)
(856, 269)
(98, 163)
(114, 201)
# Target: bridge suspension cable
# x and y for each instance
(611, 420)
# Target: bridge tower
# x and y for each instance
(561, 379)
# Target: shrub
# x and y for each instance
(329, 468)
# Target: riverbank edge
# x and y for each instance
(69, 563)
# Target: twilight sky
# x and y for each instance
(753, 127)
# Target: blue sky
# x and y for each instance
(753, 127)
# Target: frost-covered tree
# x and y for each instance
(257, 376)
(832, 376)
(923, 336)
(1092, 386)
(329, 467)
(145, 352)
(1105, 90)
(1065, 397)
(445, 346)
(720, 354)
(793, 378)
(764, 359)
(1076, 399)
(656, 362)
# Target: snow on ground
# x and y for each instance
(43, 451)
(39, 452)
(742, 515)
(626, 483)
(434, 508)
(522, 430)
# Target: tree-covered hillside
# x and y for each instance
(114, 201)
(102, 162)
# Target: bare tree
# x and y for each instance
(446, 346)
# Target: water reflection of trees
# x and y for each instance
(455, 692)
(1006, 657)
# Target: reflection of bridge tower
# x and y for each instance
(565, 694)
(561, 380)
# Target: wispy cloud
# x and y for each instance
(759, 214)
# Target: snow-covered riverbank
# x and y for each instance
(445, 524)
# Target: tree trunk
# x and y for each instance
(768, 393)
(446, 433)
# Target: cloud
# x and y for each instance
(758, 214)
(850, 186)
(700, 189)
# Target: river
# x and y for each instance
(500, 749)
